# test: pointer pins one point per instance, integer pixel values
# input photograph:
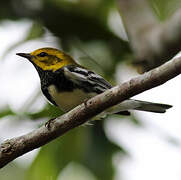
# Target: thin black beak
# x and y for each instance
(25, 55)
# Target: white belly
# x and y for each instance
(68, 100)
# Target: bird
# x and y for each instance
(67, 84)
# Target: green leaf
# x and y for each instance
(36, 31)
(54, 156)
(87, 146)
(164, 9)
(6, 112)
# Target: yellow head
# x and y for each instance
(49, 58)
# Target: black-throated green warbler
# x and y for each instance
(66, 84)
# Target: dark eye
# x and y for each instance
(42, 54)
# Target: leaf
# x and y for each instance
(6, 112)
(36, 31)
(87, 146)
(54, 156)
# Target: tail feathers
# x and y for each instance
(132, 104)
(152, 107)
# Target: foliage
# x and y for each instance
(81, 26)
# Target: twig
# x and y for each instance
(13, 148)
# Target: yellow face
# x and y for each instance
(49, 58)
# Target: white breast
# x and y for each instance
(68, 100)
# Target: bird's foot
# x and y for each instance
(85, 102)
(48, 123)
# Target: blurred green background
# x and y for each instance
(91, 31)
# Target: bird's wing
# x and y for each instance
(88, 80)
(84, 77)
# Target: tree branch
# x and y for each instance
(153, 42)
(15, 147)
